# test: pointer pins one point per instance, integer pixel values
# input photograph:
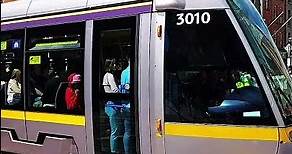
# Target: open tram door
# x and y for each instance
(217, 82)
(115, 104)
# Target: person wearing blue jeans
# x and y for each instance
(128, 139)
(129, 144)
(115, 120)
(119, 113)
(111, 108)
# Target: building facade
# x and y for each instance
(289, 24)
(274, 13)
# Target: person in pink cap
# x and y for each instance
(72, 95)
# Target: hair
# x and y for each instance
(16, 74)
(109, 65)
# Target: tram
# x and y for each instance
(141, 76)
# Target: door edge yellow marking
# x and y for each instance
(12, 114)
(222, 132)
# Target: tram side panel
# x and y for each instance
(55, 101)
(76, 134)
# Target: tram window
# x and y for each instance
(209, 77)
(266, 53)
(11, 66)
(54, 61)
(115, 107)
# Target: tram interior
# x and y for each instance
(52, 54)
(116, 47)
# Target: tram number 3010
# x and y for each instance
(191, 18)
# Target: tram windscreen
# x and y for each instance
(209, 78)
(267, 54)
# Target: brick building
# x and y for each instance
(275, 13)
(289, 25)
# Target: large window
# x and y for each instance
(114, 100)
(268, 56)
(54, 69)
(11, 67)
(209, 77)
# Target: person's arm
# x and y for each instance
(112, 83)
(38, 92)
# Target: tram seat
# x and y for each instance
(60, 96)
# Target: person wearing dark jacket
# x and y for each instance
(50, 90)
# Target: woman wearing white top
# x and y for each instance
(111, 108)
(14, 88)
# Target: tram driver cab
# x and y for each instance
(245, 100)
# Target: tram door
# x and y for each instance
(114, 86)
(206, 96)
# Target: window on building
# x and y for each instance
(275, 12)
(266, 4)
(290, 22)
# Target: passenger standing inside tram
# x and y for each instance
(112, 108)
(129, 145)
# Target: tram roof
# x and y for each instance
(12, 9)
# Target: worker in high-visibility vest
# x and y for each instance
(245, 80)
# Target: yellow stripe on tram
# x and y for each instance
(44, 117)
(222, 132)
(11, 114)
(56, 118)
